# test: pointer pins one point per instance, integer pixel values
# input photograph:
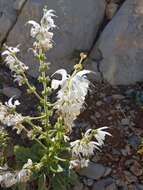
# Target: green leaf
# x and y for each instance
(64, 180)
(21, 186)
(42, 183)
(60, 159)
(58, 169)
(24, 153)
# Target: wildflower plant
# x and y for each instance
(53, 157)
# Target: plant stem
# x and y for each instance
(37, 140)
(30, 87)
(44, 82)
(36, 118)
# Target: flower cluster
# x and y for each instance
(8, 179)
(71, 96)
(10, 118)
(83, 149)
(41, 32)
(50, 131)
(14, 64)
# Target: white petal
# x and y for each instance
(83, 72)
(62, 72)
(56, 83)
(34, 23)
(9, 103)
(6, 52)
(87, 132)
(17, 103)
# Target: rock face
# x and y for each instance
(121, 45)
(77, 21)
(8, 16)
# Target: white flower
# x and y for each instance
(19, 79)
(8, 118)
(71, 96)
(14, 64)
(12, 105)
(12, 119)
(81, 148)
(11, 50)
(41, 31)
(56, 83)
(78, 163)
(35, 28)
(8, 179)
(100, 135)
(24, 175)
(84, 148)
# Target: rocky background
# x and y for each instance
(111, 32)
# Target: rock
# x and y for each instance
(102, 184)
(18, 4)
(134, 141)
(7, 18)
(97, 115)
(129, 177)
(93, 171)
(132, 187)
(111, 9)
(125, 122)
(136, 169)
(126, 151)
(139, 186)
(112, 187)
(99, 103)
(121, 45)
(77, 21)
(85, 188)
(11, 91)
(118, 97)
(88, 182)
(107, 172)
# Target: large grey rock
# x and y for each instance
(8, 16)
(93, 171)
(78, 22)
(121, 45)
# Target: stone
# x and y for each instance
(11, 91)
(134, 141)
(139, 186)
(99, 103)
(8, 17)
(125, 122)
(78, 23)
(118, 97)
(121, 45)
(18, 4)
(129, 177)
(93, 171)
(136, 169)
(102, 184)
(112, 187)
(85, 188)
(107, 172)
(88, 182)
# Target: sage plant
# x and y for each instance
(53, 156)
